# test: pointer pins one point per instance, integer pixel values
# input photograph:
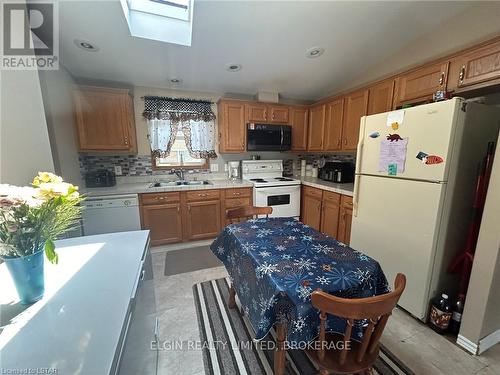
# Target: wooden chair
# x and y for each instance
(352, 357)
(247, 212)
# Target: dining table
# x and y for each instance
(274, 265)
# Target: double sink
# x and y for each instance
(179, 183)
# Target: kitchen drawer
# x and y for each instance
(328, 196)
(239, 192)
(238, 202)
(202, 195)
(346, 201)
(313, 192)
(159, 198)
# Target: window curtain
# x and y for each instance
(197, 121)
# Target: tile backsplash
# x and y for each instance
(141, 165)
(132, 165)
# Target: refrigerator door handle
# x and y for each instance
(355, 196)
(358, 166)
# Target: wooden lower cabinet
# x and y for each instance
(191, 215)
(345, 220)
(330, 213)
(202, 220)
(164, 222)
(311, 211)
(327, 212)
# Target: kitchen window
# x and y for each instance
(181, 132)
(179, 156)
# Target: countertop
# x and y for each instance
(75, 327)
(144, 187)
(345, 189)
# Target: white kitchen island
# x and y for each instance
(97, 314)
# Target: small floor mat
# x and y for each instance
(189, 260)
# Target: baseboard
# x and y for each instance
(487, 342)
(467, 344)
(180, 246)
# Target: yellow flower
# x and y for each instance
(46, 177)
(49, 190)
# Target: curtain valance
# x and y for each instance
(162, 108)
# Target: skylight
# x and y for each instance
(179, 9)
(167, 21)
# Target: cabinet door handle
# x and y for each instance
(143, 273)
(178, 208)
(345, 141)
(461, 76)
(189, 208)
(441, 79)
(339, 142)
(125, 140)
(236, 193)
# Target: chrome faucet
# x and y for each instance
(179, 173)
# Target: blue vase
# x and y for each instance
(27, 273)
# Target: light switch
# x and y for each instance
(214, 167)
(118, 170)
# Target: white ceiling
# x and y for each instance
(268, 39)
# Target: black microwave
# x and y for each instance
(265, 137)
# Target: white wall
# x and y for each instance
(57, 97)
(25, 147)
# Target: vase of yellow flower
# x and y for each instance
(31, 218)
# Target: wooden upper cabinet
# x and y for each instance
(104, 119)
(267, 113)
(256, 112)
(354, 108)
(333, 125)
(278, 114)
(380, 97)
(316, 128)
(232, 128)
(420, 84)
(299, 122)
(479, 66)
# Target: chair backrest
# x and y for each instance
(247, 212)
(375, 309)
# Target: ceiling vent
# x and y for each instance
(268, 97)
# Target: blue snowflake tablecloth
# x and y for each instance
(276, 263)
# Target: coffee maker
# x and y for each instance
(233, 170)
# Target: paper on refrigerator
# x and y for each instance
(392, 153)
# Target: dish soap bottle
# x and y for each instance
(456, 316)
(440, 314)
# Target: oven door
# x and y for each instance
(285, 200)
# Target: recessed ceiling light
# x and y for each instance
(86, 45)
(314, 52)
(175, 80)
(233, 67)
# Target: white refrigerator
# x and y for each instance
(413, 196)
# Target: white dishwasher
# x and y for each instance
(111, 213)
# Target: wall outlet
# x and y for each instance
(214, 167)
(226, 167)
(118, 170)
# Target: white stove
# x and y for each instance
(271, 188)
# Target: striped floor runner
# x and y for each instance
(226, 337)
